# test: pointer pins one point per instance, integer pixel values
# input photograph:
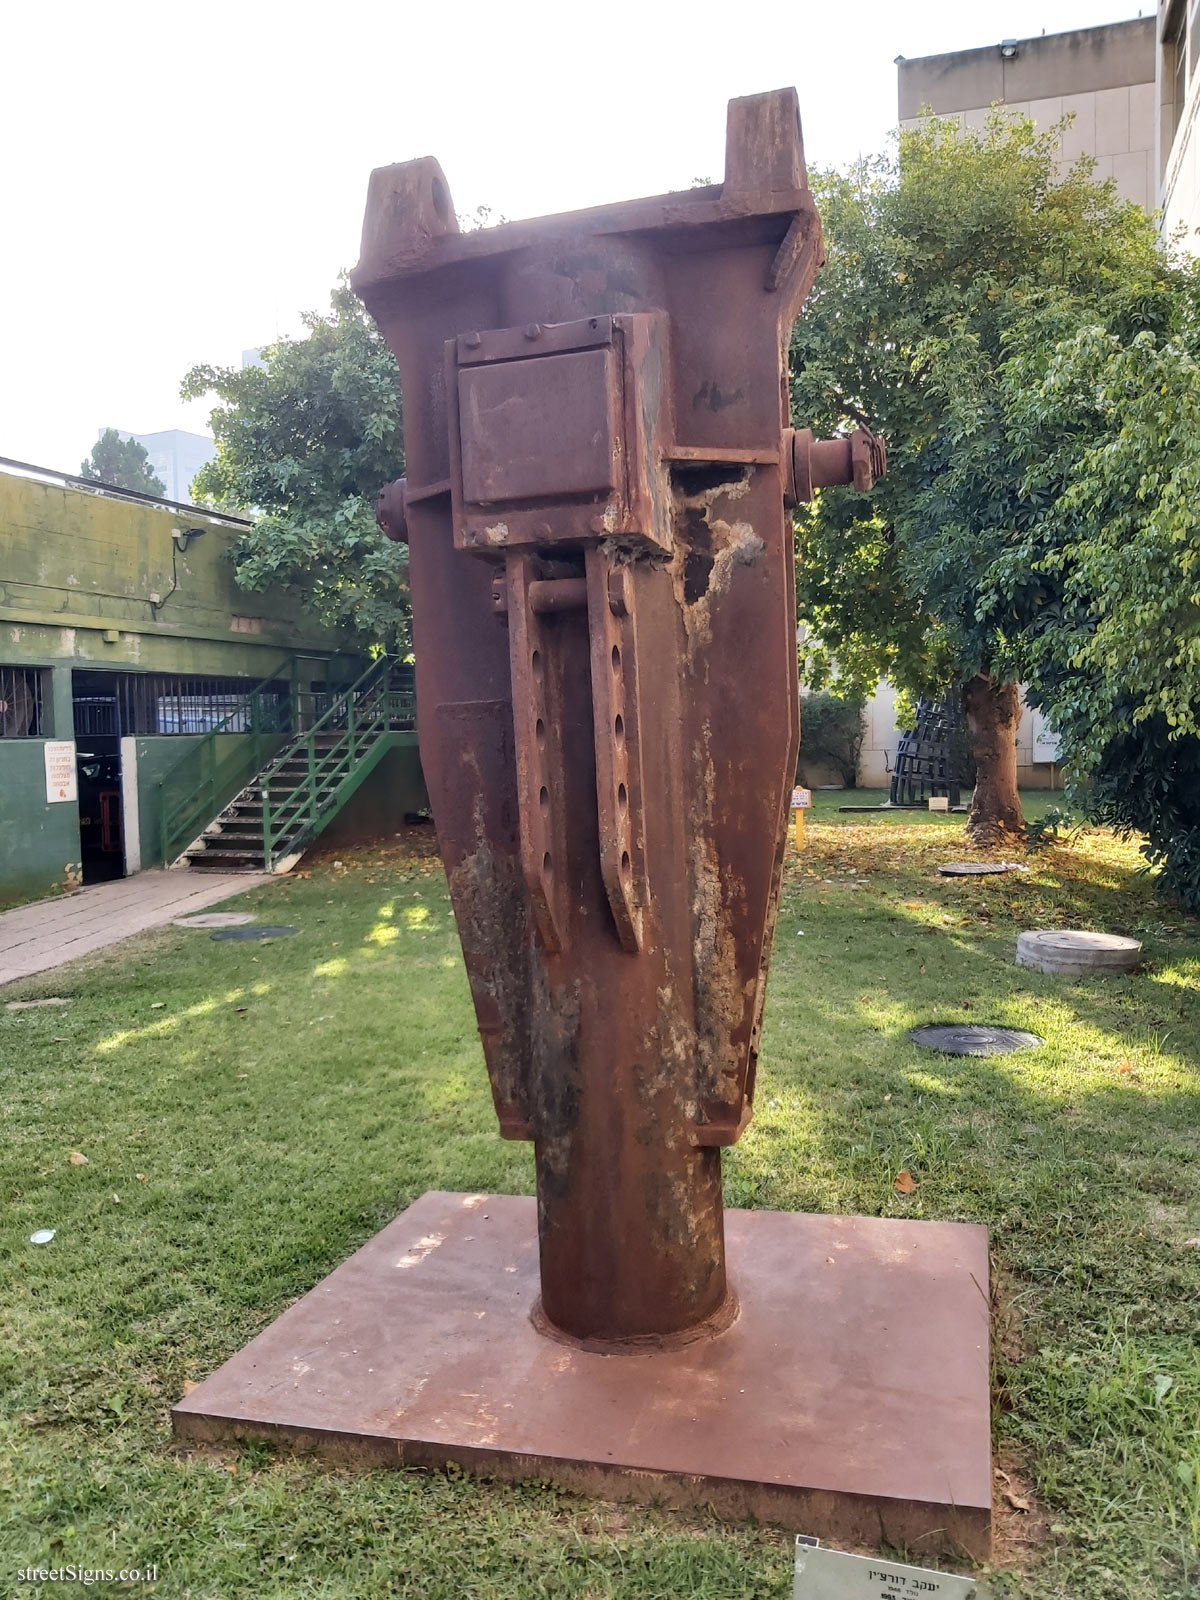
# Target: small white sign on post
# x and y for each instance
(60, 770)
(1045, 741)
(801, 799)
(835, 1575)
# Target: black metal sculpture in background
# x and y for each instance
(928, 758)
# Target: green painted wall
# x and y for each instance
(39, 843)
(376, 810)
(77, 565)
(156, 757)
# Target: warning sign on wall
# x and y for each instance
(60, 770)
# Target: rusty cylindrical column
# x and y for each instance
(604, 625)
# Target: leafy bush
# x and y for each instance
(1149, 782)
(831, 733)
(1052, 827)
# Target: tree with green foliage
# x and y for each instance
(832, 729)
(1104, 584)
(122, 464)
(953, 266)
(305, 442)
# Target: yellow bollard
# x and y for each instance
(799, 829)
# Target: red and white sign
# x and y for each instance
(60, 770)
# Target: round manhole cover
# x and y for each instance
(215, 919)
(1073, 952)
(976, 869)
(972, 1039)
(253, 933)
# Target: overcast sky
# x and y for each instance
(179, 182)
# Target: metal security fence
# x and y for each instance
(144, 703)
(21, 712)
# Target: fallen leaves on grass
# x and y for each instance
(905, 1182)
(1016, 1501)
(77, 1159)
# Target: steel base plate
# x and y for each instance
(849, 1398)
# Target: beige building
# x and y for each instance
(1133, 91)
(1177, 161)
(1104, 77)
(1108, 80)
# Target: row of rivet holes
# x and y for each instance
(539, 733)
(621, 769)
(539, 730)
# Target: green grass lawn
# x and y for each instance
(251, 1114)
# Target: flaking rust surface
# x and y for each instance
(849, 1398)
(578, 424)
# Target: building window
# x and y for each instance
(1175, 65)
(150, 703)
(21, 703)
(201, 713)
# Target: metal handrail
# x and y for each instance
(203, 784)
(357, 715)
(301, 807)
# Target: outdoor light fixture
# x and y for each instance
(1009, 50)
(184, 536)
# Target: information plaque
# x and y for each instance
(833, 1575)
(60, 770)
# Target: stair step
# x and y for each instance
(226, 866)
(208, 854)
(233, 840)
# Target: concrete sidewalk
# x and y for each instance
(48, 933)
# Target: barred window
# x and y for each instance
(21, 703)
(144, 703)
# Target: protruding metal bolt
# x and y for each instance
(472, 340)
(810, 463)
(391, 510)
(868, 458)
(532, 330)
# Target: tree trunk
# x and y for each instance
(993, 712)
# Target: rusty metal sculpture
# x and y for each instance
(599, 464)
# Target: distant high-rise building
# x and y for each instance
(253, 358)
(1178, 126)
(1104, 76)
(175, 456)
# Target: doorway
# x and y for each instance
(98, 775)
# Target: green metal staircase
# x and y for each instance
(275, 815)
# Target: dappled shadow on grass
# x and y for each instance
(272, 1141)
(1080, 1158)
